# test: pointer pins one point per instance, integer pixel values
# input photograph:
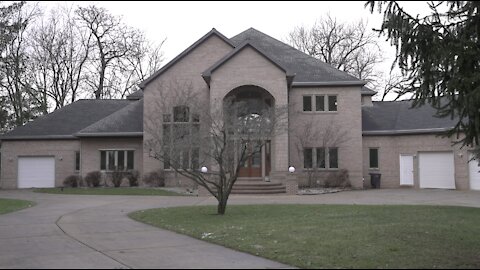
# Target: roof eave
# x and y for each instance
(405, 131)
(39, 137)
(329, 83)
(110, 134)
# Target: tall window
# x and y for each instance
(323, 158)
(180, 137)
(373, 154)
(77, 161)
(116, 159)
(307, 103)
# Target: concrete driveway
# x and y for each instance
(70, 231)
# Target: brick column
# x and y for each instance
(291, 184)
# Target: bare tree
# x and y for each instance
(14, 56)
(348, 47)
(189, 133)
(113, 40)
(58, 59)
(313, 134)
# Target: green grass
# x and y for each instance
(8, 205)
(109, 191)
(335, 236)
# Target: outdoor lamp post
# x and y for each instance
(291, 169)
(204, 169)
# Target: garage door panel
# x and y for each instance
(474, 172)
(437, 170)
(36, 172)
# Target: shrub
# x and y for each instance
(72, 181)
(155, 178)
(338, 179)
(93, 179)
(117, 177)
(133, 178)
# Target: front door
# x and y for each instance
(253, 165)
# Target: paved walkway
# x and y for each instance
(70, 231)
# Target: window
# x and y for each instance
(308, 158)
(181, 114)
(307, 103)
(323, 158)
(323, 103)
(373, 157)
(179, 139)
(116, 159)
(77, 161)
(333, 158)
(319, 103)
(332, 103)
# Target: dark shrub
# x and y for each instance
(155, 178)
(133, 178)
(72, 181)
(117, 177)
(338, 179)
(93, 179)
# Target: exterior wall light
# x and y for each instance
(204, 169)
(291, 169)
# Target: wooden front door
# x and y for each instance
(253, 165)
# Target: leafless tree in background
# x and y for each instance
(313, 134)
(184, 134)
(348, 47)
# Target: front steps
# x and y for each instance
(253, 185)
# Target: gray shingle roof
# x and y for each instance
(66, 121)
(128, 121)
(136, 95)
(307, 68)
(397, 117)
(367, 91)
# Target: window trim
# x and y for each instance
(79, 161)
(327, 159)
(116, 150)
(370, 158)
(326, 107)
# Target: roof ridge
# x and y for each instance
(291, 47)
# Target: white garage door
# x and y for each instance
(474, 168)
(437, 170)
(36, 172)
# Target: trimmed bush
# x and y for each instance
(133, 178)
(93, 179)
(338, 179)
(72, 181)
(155, 178)
(117, 177)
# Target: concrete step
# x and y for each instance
(250, 179)
(250, 191)
(258, 184)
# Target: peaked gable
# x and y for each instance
(208, 73)
(185, 53)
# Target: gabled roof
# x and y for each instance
(397, 117)
(365, 91)
(126, 122)
(184, 53)
(246, 44)
(309, 70)
(136, 95)
(65, 122)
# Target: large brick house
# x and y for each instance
(402, 144)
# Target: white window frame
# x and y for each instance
(116, 158)
(326, 109)
(327, 159)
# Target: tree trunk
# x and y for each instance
(222, 205)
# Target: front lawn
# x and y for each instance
(8, 205)
(336, 236)
(110, 191)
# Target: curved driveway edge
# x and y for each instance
(80, 231)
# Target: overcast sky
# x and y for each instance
(182, 23)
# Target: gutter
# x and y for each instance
(110, 134)
(405, 131)
(331, 83)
